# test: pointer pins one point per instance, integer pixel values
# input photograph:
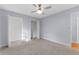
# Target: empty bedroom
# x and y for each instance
(39, 29)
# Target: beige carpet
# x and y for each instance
(37, 47)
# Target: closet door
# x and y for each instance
(74, 28)
(77, 29)
(15, 28)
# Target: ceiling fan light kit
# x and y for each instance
(40, 8)
(39, 11)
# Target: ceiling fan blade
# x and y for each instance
(34, 5)
(48, 7)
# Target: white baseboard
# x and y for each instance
(57, 42)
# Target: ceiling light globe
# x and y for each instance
(39, 12)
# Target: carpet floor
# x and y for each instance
(37, 47)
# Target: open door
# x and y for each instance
(35, 33)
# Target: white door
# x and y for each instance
(73, 28)
(15, 28)
(77, 29)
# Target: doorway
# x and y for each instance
(35, 29)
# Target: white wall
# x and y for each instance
(57, 27)
(3, 29)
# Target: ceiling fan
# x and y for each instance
(40, 8)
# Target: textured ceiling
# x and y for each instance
(27, 8)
